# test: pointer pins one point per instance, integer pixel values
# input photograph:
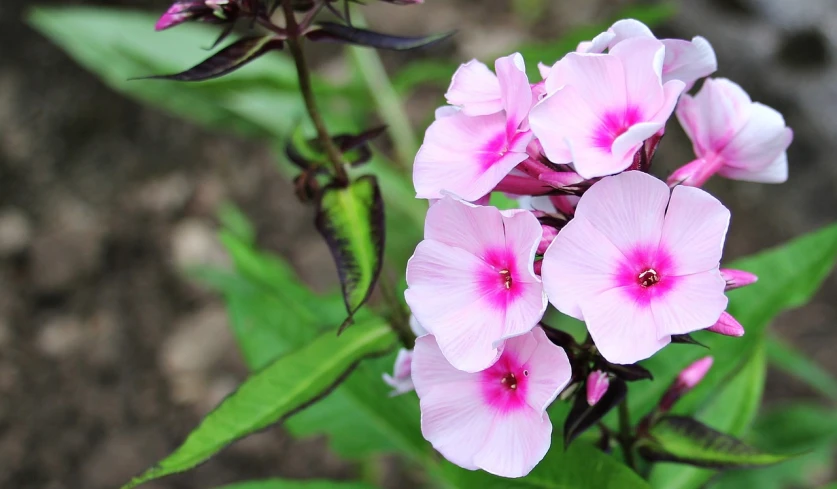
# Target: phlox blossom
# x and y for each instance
(686, 61)
(732, 136)
(469, 154)
(471, 282)
(639, 263)
(494, 420)
(601, 108)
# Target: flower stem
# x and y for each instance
(399, 320)
(294, 42)
(625, 437)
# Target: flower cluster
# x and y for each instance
(597, 236)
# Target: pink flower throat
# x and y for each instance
(648, 278)
(504, 384)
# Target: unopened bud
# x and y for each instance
(737, 278)
(727, 326)
(561, 179)
(401, 379)
(538, 267)
(548, 236)
(688, 378)
(597, 384)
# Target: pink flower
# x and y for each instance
(494, 420)
(471, 282)
(597, 384)
(686, 61)
(469, 155)
(732, 136)
(400, 380)
(639, 264)
(602, 107)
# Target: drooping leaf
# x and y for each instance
(731, 410)
(274, 393)
(334, 32)
(583, 416)
(351, 219)
(686, 440)
(791, 361)
(294, 484)
(228, 59)
(580, 466)
(260, 99)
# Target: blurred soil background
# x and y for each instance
(109, 356)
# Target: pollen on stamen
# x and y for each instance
(507, 278)
(648, 278)
(509, 380)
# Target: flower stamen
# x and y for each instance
(509, 380)
(648, 278)
(507, 278)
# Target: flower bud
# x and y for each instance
(549, 234)
(727, 326)
(401, 379)
(538, 267)
(597, 384)
(688, 378)
(737, 278)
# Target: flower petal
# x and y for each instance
(642, 59)
(516, 93)
(476, 89)
(579, 264)
(624, 331)
(713, 116)
(628, 209)
(464, 155)
(515, 444)
(760, 141)
(688, 61)
(694, 231)
(549, 371)
(694, 302)
(776, 172)
(565, 115)
(445, 295)
(469, 227)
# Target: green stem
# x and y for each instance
(304, 74)
(387, 100)
(626, 439)
(399, 319)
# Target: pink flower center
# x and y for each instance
(645, 275)
(504, 384)
(613, 124)
(493, 151)
(498, 282)
(648, 278)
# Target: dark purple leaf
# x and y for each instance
(334, 32)
(582, 415)
(629, 373)
(686, 339)
(228, 59)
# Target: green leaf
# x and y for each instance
(260, 99)
(271, 312)
(731, 410)
(789, 276)
(686, 440)
(579, 467)
(292, 484)
(274, 393)
(351, 219)
(793, 362)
